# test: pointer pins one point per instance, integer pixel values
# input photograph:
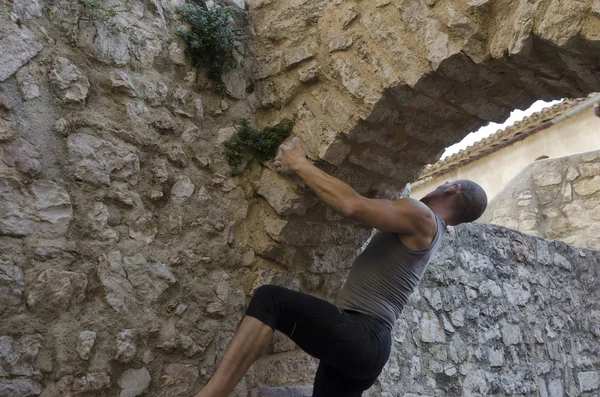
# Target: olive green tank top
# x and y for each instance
(384, 275)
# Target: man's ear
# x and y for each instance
(453, 189)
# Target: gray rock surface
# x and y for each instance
(126, 348)
(68, 81)
(134, 382)
(553, 198)
(85, 343)
(18, 355)
(122, 83)
(281, 194)
(149, 280)
(99, 161)
(17, 45)
(27, 9)
(235, 84)
(129, 281)
(23, 156)
(11, 286)
(28, 83)
(182, 190)
(19, 388)
(42, 208)
(70, 385)
(56, 290)
(6, 122)
(588, 381)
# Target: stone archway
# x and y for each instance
(379, 89)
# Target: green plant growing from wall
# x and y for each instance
(211, 39)
(97, 11)
(252, 144)
(94, 11)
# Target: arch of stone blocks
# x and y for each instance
(380, 88)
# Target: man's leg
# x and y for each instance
(249, 343)
(318, 327)
(330, 382)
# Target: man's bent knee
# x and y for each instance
(263, 305)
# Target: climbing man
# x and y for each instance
(351, 338)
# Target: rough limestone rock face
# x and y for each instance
(129, 279)
(27, 9)
(554, 198)
(378, 89)
(85, 343)
(398, 70)
(11, 286)
(18, 44)
(179, 379)
(6, 124)
(28, 83)
(20, 387)
(98, 161)
(23, 156)
(42, 208)
(134, 382)
(128, 252)
(69, 385)
(282, 391)
(281, 194)
(68, 82)
(56, 290)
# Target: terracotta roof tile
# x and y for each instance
(498, 139)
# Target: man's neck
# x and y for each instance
(441, 210)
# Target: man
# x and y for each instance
(352, 339)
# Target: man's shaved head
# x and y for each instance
(471, 202)
(462, 200)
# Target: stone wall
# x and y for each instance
(123, 268)
(498, 313)
(557, 198)
(128, 253)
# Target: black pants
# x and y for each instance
(352, 347)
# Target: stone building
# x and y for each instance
(494, 161)
(557, 198)
(128, 251)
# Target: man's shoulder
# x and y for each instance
(418, 208)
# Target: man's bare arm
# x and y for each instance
(405, 216)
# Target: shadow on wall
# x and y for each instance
(557, 198)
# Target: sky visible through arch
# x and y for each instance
(491, 128)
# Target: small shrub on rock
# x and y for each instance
(252, 144)
(211, 38)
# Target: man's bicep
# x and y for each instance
(388, 216)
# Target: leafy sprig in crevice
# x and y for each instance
(98, 12)
(212, 38)
(251, 144)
